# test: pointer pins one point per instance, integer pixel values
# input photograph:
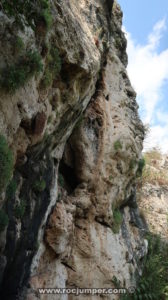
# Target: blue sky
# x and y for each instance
(146, 25)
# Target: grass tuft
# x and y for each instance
(117, 221)
(40, 185)
(117, 145)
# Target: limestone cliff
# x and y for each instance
(153, 193)
(76, 138)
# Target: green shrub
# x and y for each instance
(46, 15)
(15, 76)
(40, 185)
(118, 42)
(19, 45)
(133, 164)
(33, 62)
(117, 145)
(6, 163)
(47, 79)
(154, 281)
(117, 220)
(3, 220)
(28, 12)
(20, 209)
(49, 119)
(53, 67)
(11, 189)
(141, 165)
(54, 61)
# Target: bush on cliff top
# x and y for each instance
(6, 163)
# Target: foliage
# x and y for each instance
(15, 76)
(117, 220)
(19, 44)
(46, 16)
(6, 163)
(20, 209)
(11, 189)
(153, 284)
(133, 164)
(3, 220)
(118, 41)
(53, 67)
(116, 282)
(141, 165)
(28, 12)
(33, 62)
(54, 61)
(39, 186)
(47, 79)
(117, 145)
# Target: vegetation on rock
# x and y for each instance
(28, 12)
(153, 284)
(3, 220)
(117, 220)
(53, 67)
(19, 44)
(40, 185)
(20, 209)
(141, 165)
(133, 164)
(117, 145)
(11, 189)
(6, 163)
(16, 75)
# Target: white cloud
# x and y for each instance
(148, 71)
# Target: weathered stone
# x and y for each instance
(85, 157)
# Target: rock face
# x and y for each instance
(153, 193)
(77, 145)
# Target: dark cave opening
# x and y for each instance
(67, 177)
